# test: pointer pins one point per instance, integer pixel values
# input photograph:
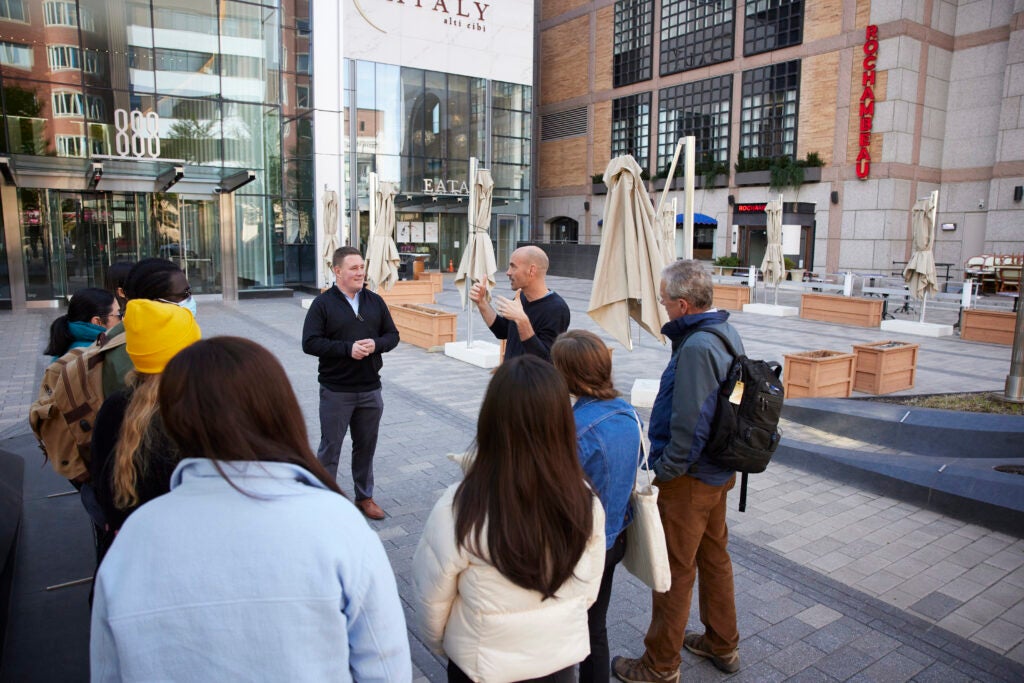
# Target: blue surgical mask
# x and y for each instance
(190, 304)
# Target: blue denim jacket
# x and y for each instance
(609, 451)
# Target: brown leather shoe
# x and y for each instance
(370, 508)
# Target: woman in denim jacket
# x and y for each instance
(608, 437)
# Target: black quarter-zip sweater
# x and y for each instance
(332, 326)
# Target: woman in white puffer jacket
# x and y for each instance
(511, 558)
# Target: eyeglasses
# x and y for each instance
(176, 297)
(119, 316)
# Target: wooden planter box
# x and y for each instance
(818, 373)
(994, 327)
(884, 367)
(409, 292)
(436, 278)
(731, 297)
(422, 326)
(848, 310)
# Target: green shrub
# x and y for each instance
(727, 261)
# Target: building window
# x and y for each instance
(634, 20)
(13, 10)
(302, 62)
(695, 33)
(183, 60)
(12, 54)
(772, 24)
(700, 109)
(62, 57)
(67, 103)
(631, 127)
(302, 98)
(565, 230)
(71, 145)
(63, 13)
(769, 114)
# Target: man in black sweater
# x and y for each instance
(535, 316)
(348, 327)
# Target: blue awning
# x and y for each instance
(698, 219)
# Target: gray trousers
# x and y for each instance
(361, 411)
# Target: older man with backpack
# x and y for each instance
(692, 487)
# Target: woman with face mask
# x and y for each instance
(132, 458)
(155, 279)
(91, 312)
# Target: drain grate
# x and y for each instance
(1010, 469)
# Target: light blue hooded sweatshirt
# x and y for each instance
(288, 583)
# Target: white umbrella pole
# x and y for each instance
(470, 218)
(373, 200)
(691, 144)
(924, 302)
(671, 174)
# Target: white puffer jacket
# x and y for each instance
(494, 630)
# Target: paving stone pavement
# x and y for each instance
(832, 583)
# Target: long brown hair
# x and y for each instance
(228, 399)
(525, 485)
(585, 363)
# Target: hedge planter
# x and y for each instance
(847, 310)
(884, 367)
(731, 297)
(409, 292)
(994, 327)
(422, 326)
(598, 188)
(818, 373)
(753, 178)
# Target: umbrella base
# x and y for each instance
(922, 329)
(480, 354)
(644, 392)
(771, 309)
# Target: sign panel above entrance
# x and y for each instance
(450, 36)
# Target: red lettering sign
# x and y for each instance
(750, 208)
(867, 101)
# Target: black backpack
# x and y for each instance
(745, 430)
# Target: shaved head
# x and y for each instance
(533, 255)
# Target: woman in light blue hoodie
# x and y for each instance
(254, 566)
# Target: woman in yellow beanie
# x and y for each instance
(132, 457)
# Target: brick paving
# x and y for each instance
(833, 583)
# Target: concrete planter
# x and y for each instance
(847, 310)
(598, 188)
(731, 297)
(409, 292)
(753, 178)
(884, 367)
(818, 373)
(422, 326)
(994, 327)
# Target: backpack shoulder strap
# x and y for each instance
(718, 333)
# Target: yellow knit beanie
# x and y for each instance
(155, 331)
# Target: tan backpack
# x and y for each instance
(64, 413)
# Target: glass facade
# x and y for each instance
(631, 127)
(695, 33)
(217, 87)
(769, 112)
(419, 129)
(772, 24)
(633, 41)
(700, 109)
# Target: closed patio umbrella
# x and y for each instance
(774, 264)
(477, 263)
(629, 263)
(330, 208)
(667, 231)
(920, 273)
(382, 255)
